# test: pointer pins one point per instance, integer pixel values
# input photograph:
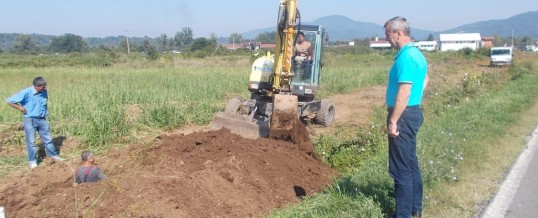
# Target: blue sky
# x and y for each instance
(102, 18)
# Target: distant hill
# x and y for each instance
(522, 25)
(342, 28)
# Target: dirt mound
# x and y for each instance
(286, 126)
(203, 174)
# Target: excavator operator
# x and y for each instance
(303, 57)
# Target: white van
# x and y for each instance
(501, 56)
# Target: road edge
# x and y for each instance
(498, 207)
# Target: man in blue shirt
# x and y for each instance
(407, 79)
(32, 103)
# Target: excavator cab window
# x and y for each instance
(302, 66)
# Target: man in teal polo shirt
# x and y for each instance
(407, 79)
(32, 103)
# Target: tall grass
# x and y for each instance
(343, 73)
(104, 105)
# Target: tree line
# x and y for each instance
(182, 41)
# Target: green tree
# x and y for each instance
(149, 49)
(200, 44)
(235, 38)
(213, 40)
(68, 43)
(162, 42)
(527, 41)
(430, 37)
(24, 43)
(266, 37)
(497, 40)
(184, 38)
(133, 47)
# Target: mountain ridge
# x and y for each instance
(342, 28)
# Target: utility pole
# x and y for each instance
(127, 38)
(512, 38)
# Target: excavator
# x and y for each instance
(281, 88)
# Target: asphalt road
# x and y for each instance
(518, 195)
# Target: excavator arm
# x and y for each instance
(284, 39)
(284, 114)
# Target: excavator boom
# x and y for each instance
(284, 103)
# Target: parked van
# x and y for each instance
(501, 56)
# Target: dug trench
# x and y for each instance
(202, 174)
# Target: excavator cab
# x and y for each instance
(307, 73)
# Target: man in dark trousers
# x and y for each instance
(407, 80)
(88, 172)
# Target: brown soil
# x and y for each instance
(286, 126)
(203, 174)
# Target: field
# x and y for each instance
(147, 121)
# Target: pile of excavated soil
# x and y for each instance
(203, 174)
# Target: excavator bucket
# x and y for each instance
(284, 117)
(241, 124)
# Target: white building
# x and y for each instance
(457, 41)
(427, 45)
(380, 45)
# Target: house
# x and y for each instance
(267, 46)
(457, 41)
(234, 46)
(427, 45)
(487, 41)
(253, 46)
(380, 45)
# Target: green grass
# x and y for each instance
(104, 105)
(93, 103)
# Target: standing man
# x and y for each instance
(32, 103)
(407, 79)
